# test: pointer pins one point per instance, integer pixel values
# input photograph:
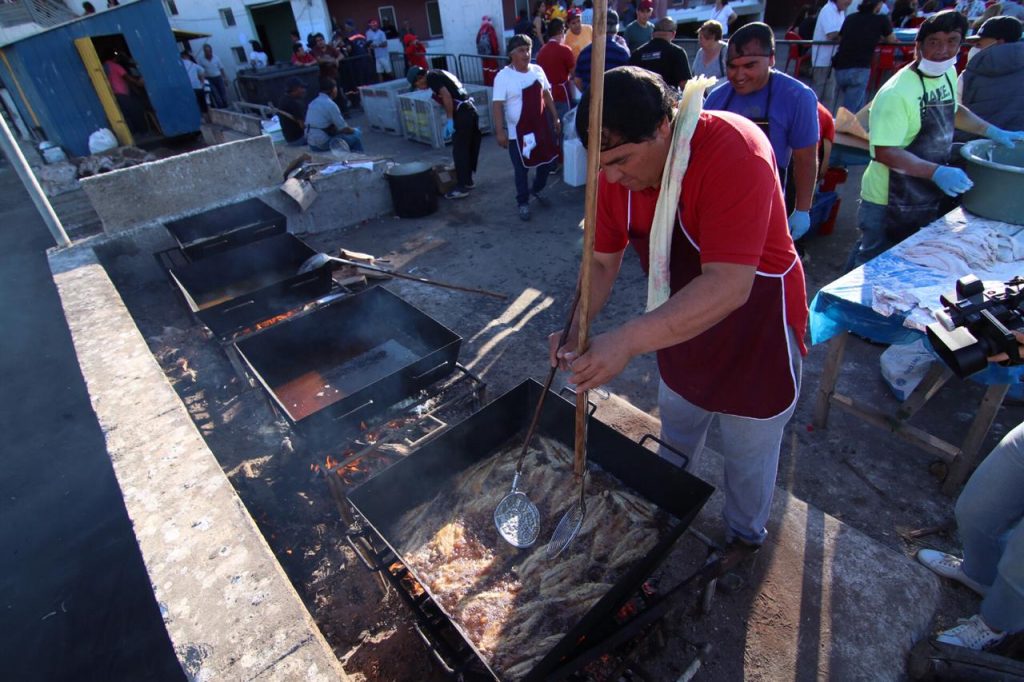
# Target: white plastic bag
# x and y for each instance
(903, 367)
(569, 125)
(102, 140)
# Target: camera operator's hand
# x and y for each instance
(1003, 357)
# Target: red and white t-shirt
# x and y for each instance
(731, 205)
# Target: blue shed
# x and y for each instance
(59, 86)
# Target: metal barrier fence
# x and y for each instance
(480, 70)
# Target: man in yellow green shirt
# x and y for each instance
(909, 182)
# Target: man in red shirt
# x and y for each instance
(729, 337)
(558, 62)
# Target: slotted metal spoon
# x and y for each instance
(516, 517)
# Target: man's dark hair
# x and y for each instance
(327, 84)
(636, 101)
(867, 6)
(946, 21)
(296, 47)
(754, 39)
(555, 27)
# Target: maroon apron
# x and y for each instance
(533, 119)
(720, 370)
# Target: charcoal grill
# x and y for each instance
(349, 360)
(385, 498)
(220, 229)
(233, 290)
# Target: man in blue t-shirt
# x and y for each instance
(616, 53)
(783, 107)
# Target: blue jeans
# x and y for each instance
(522, 174)
(750, 450)
(353, 140)
(873, 239)
(851, 86)
(989, 514)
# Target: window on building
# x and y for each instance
(172, 9)
(434, 19)
(227, 17)
(240, 55)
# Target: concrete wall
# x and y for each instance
(461, 21)
(184, 184)
(230, 610)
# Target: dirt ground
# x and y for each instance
(852, 471)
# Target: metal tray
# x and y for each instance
(227, 227)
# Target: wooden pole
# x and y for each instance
(597, 59)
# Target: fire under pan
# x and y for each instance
(383, 500)
(349, 360)
(233, 290)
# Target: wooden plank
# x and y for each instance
(98, 76)
(905, 432)
(937, 376)
(829, 377)
(971, 449)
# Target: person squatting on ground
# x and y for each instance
(783, 107)
(462, 126)
(726, 307)
(911, 132)
(990, 518)
(526, 122)
(324, 122)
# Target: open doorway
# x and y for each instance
(121, 88)
(274, 22)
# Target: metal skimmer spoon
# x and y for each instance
(571, 522)
(516, 517)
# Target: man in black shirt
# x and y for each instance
(662, 57)
(462, 126)
(860, 34)
(293, 118)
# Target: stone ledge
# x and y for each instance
(229, 608)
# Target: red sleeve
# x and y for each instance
(733, 219)
(570, 60)
(826, 124)
(611, 235)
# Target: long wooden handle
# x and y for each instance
(596, 95)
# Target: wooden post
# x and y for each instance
(596, 94)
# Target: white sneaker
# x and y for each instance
(949, 566)
(972, 633)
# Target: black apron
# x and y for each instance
(915, 202)
(764, 124)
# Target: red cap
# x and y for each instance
(645, 4)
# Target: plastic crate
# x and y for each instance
(380, 104)
(423, 119)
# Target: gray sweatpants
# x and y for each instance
(750, 448)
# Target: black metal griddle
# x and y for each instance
(350, 359)
(224, 228)
(233, 290)
(385, 498)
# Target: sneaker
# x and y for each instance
(456, 193)
(524, 212)
(542, 200)
(469, 185)
(972, 633)
(949, 566)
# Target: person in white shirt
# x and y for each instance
(830, 20)
(214, 72)
(257, 57)
(526, 122)
(379, 42)
(724, 15)
(195, 79)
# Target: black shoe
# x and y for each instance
(456, 193)
(469, 185)
(524, 212)
(733, 555)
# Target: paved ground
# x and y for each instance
(75, 600)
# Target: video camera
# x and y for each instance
(978, 324)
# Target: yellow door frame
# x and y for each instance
(94, 67)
